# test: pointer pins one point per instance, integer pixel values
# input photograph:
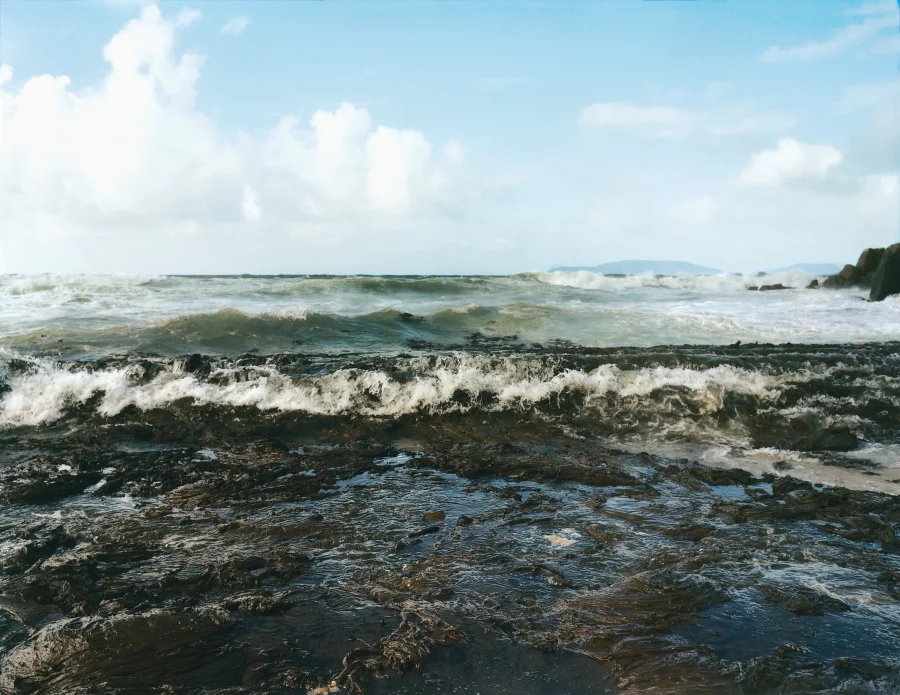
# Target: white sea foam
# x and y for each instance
(42, 395)
(712, 284)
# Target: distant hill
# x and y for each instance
(811, 268)
(644, 268)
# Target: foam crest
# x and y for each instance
(450, 383)
(586, 280)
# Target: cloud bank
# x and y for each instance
(133, 159)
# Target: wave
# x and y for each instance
(751, 405)
(712, 284)
(16, 285)
(439, 384)
(231, 330)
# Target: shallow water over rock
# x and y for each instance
(210, 549)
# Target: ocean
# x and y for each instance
(393, 484)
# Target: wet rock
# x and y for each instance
(764, 674)
(425, 531)
(869, 260)
(434, 516)
(835, 439)
(43, 480)
(197, 364)
(281, 677)
(148, 649)
(802, 433)
(802, 600)
(848, 277)
(690, 531)
(464, 520)
(776, 286)
(813, 285)
(262, 603)
(603, 535)
(887, 277)
(407, 647)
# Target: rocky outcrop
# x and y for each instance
(767, 288)
(887, 277)
(848, 277)
(869, 260)
(860, 275)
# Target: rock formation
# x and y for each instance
(877, 269)
(887, 277)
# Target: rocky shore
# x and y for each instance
(221, 550)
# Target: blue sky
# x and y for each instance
(445, 137)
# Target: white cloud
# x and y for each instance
(788, 161)
(6, 74)
(186, 17)
(455, 152)
(397, 162)
(878, 7)
(879, 18)
(235, 26)
(868, 95)
(722, 119)
(746, 228)
(663, 121)
(134, 158)
(250, 206)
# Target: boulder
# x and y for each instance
(849, 274)
(869, 261)
(848, 277)
(887, 277)
(776, 286)
(813, 285)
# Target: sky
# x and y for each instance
(452, 136)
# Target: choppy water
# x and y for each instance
(227, 315)
(251, 485)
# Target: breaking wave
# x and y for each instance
(443, 384)
(712, 284)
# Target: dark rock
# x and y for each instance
(425, 531)
(887, 277)
(405, 648)
(813, 285)
(434, 516)
(849, 273)
(464, 521)
(42, 480)
(197, 364)
(869, 261)
(776, 286)
(834, 282)
(837, 439)
(753, 288)
(848, 277)
(802, 600)
(804, 433)
(146, 649)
